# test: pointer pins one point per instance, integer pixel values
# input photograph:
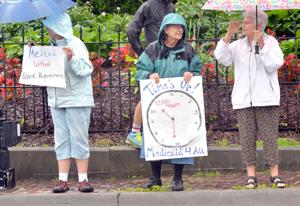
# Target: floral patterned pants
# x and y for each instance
(260, 122)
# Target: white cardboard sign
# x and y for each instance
(43, 66)
(173, 118)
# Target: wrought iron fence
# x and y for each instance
(115, 96)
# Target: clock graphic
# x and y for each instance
(174, 118)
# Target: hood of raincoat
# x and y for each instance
(78, 70)
(172, 18)
(61, 24)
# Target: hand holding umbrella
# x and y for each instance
(258, 37)
(238, 5)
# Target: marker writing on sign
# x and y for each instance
(37, 52)
(156, 88)
(41, 63)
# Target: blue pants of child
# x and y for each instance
(71, 126)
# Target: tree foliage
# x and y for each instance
(99, 6)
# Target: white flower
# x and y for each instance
(103, 14)
(118, 8)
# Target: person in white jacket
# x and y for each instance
(256, 92)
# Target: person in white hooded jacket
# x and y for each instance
(256, 92)
(71, 106)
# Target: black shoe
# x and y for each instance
(85, 186)
(153, 181)
(177, 184)
(277, 182)
(251, 182)
(60, 187)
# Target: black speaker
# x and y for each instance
(7, 179)
(1, 132)
(4, 159)
(11, 134)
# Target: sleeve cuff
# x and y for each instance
(223, 43)
(72, 60)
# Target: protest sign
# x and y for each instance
(43, 66)
(173, 118)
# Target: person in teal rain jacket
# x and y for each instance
(169, 56)
(71, 106)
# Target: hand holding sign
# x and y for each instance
(187, 76)
(68, 52)
(155, 77)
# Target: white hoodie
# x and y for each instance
(79, 89)
(255, 75)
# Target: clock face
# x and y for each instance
(174, 118)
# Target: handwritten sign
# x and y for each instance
(173, 118)
(44, 66)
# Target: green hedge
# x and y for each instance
(99, 6)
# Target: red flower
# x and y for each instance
(105, 84)
(9, 61)
(211, 66)
(16, 60)
(290, 69)
(28, 91)
(1, 53)
(9, 82)
(208, 71)
(2, 80)
(121, 52)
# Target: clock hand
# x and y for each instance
(173, 121)
(164, 111)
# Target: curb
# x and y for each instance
(258, 197)
(122, 162)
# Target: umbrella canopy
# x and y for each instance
(12, 11)
(237, 5)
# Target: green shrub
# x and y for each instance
(99, 6)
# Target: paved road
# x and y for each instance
(264, 197)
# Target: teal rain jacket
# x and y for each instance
(168, 62)
(79, 90)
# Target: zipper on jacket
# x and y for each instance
(250, 78)
(55, 97)
(174, 59)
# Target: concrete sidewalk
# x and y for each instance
(40, 163)
(121, 162)
(272, 197)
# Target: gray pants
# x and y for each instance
(257, 122)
